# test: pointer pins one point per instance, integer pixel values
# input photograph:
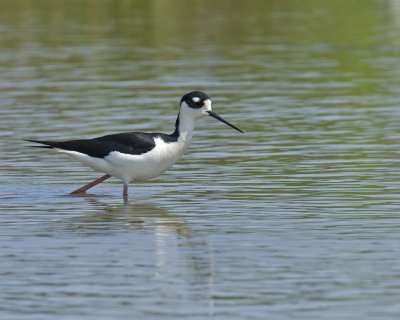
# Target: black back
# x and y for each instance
(134, 143)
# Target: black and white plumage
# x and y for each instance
(139, 156)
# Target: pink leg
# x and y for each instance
(91, 184)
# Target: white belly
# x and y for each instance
(128, 167)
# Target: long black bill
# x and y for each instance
(216, 116)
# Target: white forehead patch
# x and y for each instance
(207, 105)
(195, 99)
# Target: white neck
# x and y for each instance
(186, 126)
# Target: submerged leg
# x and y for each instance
(91, 184)
(125, 193)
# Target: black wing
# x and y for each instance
(130, 142)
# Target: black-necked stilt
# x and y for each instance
(138, 156)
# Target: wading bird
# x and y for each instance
(138, 156)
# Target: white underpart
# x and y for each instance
(128, 167)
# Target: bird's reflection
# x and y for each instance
(182, 258)
(118, 217)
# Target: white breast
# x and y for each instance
(148, 165)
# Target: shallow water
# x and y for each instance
(298, 218)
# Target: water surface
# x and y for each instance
(295, 219)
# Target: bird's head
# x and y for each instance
(198, 105)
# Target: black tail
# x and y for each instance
(47, 144)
